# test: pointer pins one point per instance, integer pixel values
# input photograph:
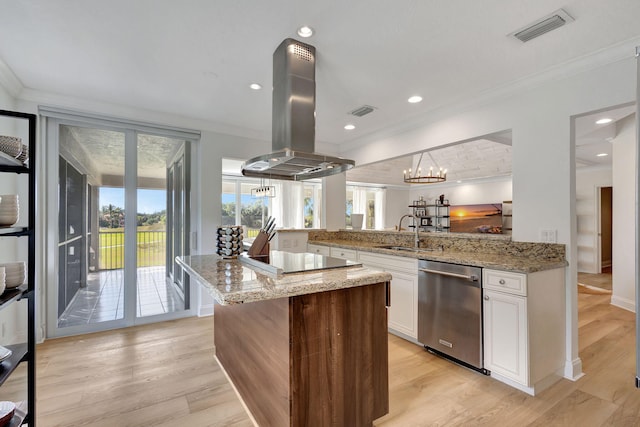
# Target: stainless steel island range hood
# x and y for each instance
(294, 121)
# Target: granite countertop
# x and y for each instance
(231, 282)
(528, 263)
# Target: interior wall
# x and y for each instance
(588, 181)
(624, 206)
(397, 200)
(471, 193)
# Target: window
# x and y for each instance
(295, 205)
(370, 202)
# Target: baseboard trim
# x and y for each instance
(573, 369)
(205, 310)
(623, 303)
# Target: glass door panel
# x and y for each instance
(90, 228)
(161, 227)
(123, 216)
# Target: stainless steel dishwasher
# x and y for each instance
(450, 311)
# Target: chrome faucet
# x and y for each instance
(416, 228)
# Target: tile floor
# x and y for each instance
(103, 298)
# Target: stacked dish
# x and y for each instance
(9, 209)
(15, 273)
(3, 284)
(11, 145)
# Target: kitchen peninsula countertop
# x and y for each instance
(231, 282)
(529, 262)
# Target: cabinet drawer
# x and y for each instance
(349, 254)
(504, 281)
(322, 250)
(398, 263)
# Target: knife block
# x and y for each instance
(260, 246)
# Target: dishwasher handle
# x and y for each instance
(471, 278)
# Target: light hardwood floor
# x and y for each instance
(164, 375)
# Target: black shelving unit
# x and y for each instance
(433, 217)
(24, 352)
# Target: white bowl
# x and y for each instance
(11, 145)
(13, 283)
(13, 267)
(8, 197)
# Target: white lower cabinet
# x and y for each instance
(403, 311)
(317, 249)
(524, 328)
(505, 335)
(348, 254)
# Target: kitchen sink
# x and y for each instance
(407, 248)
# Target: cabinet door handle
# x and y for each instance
(502, 282)
(486, 297)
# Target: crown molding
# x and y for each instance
(9, 80)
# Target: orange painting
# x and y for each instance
(483, 218)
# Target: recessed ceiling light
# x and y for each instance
(602, 154)
(459, 182)
(415, 99)
(349, 127)
(255, 86)
(305, 31)
(604, 121)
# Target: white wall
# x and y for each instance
(588, 182)
(491, 191)
(624, 205)
(397, 200)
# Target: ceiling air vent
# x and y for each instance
(556, 20)
(362, 111)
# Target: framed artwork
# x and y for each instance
(481, 218)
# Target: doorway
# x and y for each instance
(605, 234)
(115, 268)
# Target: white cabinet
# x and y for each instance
(403, 312)
(505, 335)
(317, 249)
(348, 254)
(524, 327)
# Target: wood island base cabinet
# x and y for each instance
(318, 359)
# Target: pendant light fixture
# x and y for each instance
(418, 178)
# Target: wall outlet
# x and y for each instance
(548, 236)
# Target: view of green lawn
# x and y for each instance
(151, 247)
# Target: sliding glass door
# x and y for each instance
(122, 213)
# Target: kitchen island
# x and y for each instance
(308, 348)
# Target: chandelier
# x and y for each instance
(418, 178)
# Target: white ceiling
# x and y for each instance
(196, 58)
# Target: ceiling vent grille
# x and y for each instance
(542, 26)
(362, 111)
